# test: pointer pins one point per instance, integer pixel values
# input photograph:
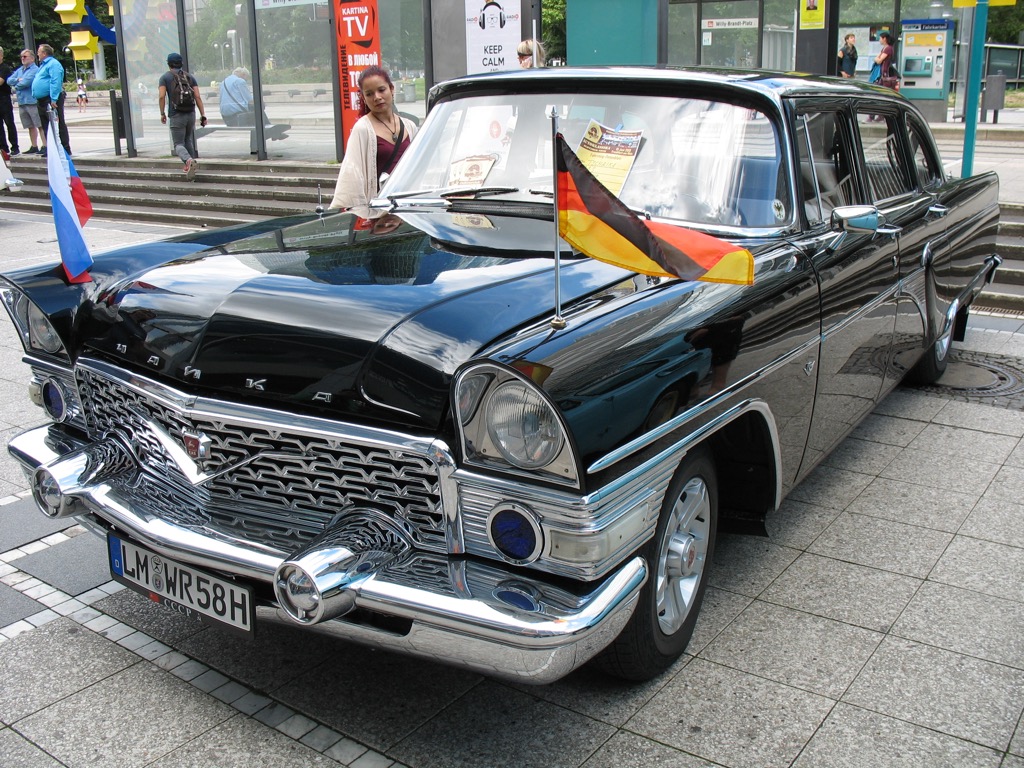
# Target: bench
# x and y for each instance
(274, 132)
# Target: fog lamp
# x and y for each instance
(513, 530)
(55, 402)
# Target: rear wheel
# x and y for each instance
(678, 557)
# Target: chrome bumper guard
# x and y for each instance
(474, 615)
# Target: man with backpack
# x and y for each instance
(179, 93)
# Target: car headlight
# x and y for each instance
(36, 331)
(41, 334)
(507, 423)
(523, 426)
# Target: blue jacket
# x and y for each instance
(49, 79)
(21, 80)
(235, 96)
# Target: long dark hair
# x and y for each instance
(373, 71)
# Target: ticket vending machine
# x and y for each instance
(926, 64)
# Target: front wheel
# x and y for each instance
(678, 557)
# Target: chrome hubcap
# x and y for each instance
(683, 555)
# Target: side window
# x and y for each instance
(879, 136)
(927, 165)
(826, 180)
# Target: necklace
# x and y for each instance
(394, 133)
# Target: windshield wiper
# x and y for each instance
(476, 192)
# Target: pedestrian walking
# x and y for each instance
(48, 90)
(179, 98)
(8, 130)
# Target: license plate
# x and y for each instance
(181, 588)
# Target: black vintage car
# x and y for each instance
(408, 428)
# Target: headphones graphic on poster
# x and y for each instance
(492, 34)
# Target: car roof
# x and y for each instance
(766, 83)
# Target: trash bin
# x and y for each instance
(409, 90)
(117, 116)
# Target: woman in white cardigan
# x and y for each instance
(376, 143)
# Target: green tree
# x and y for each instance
(48, 28)
(552, 21)
(1005, 23)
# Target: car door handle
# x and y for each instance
(889, 229)
(938, 210)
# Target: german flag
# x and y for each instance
(594, 221)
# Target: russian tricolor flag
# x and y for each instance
(71, 209)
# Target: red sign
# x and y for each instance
(357, 35)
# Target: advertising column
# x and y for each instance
(357, 35)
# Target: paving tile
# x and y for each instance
(497, 726)
(590, 692)
(296, 726)
(952, 693)
(106, 725)
(371, 759)
(921, 505)
(321, 738)
(957, 442)
(887, 429)
(795, 648)
(1000, 421)
(876, 543)
(796, 524)
(852, 737)
(156, 621)
(1017, 743)
(967, 622)
(375, 697)
(628, 750)
(982, 566)
(910, 404)
(14, 606)
(937, 470)
(1016, 457)
(250, 703)
(830, 487)
(854, 594)
(747, 564)
(731, 717)
(720, 607)
(229, 692)
(863, 456)
(243, 743)
(52, 662)
(22, 522)
(1007, 485)
(996, 520)
(75, 566)
(345, 751)
(18, 752)
(276, 655)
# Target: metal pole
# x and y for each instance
(974, 76)
(557, 322)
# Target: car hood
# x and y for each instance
(340, 315)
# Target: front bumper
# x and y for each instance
(480, 616)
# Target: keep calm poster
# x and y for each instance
(492, 35)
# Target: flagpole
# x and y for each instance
(557, 322)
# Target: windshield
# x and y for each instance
(690, 160)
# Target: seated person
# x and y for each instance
(236, 106)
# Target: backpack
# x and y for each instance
(182, 97)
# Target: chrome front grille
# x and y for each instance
(281, 482)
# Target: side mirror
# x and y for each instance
(858, 219)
